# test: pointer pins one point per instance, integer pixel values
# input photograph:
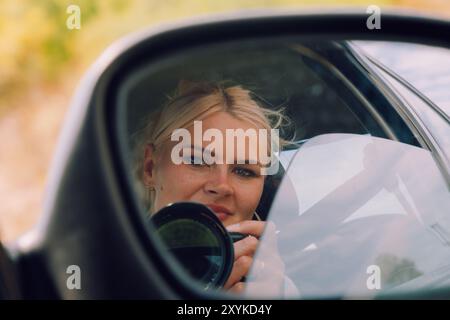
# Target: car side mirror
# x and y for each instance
(98, 210)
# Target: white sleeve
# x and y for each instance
(290, 289)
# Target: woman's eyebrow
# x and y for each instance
(192, 146)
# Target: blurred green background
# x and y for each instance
(41, 62)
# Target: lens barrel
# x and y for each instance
(198, 241)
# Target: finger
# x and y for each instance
(241, 267)
(237, 288)
(265, 231)
(248, 247)
(245, 247)
(254, 228)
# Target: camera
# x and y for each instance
(198, 241)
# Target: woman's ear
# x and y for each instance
(149, 166)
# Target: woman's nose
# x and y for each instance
(218, 181)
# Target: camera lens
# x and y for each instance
(198, 240)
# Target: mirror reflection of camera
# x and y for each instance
(198, 240)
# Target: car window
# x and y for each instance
(436, 124)
(298, 76)
(425, 67)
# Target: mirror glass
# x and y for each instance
(307, 169)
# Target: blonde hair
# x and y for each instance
(197, 101)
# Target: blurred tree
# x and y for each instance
(395, 270)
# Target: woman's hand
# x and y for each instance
(267, 276)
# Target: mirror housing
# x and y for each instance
(90, 218)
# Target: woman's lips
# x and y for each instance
(221, 212)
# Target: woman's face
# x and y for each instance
(232, 191)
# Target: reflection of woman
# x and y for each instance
(232, 191)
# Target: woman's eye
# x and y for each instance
(244, 172)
